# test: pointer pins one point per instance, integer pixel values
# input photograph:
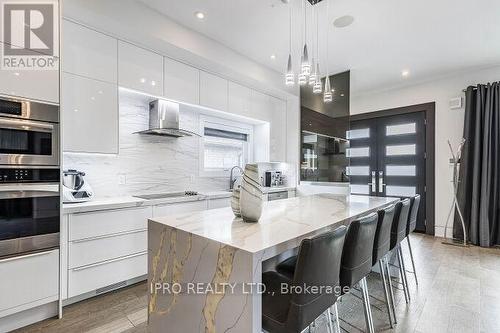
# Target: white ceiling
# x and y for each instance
(430, 38)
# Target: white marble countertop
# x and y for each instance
(130, 201)
(282, 221)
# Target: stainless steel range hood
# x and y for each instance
(164, 120)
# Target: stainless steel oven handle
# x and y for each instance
(34, 191)
(37, 254)
(25, 124)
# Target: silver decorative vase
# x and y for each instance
(251, 194)
(235, 202)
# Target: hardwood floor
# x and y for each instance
(458, 291)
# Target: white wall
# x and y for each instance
(449, 123)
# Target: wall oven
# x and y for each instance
(29, 177)
(29, 133)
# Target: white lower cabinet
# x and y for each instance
(181, 207)
(107, 222)
(28, 281)
(99, 275)
(102, 248)
(219, 203)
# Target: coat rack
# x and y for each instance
(454, 206)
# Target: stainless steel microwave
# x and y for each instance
(29, 133)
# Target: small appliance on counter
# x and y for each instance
(75, 188)
(273, 179)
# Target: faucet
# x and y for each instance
(231, 180)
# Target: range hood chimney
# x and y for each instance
(164, 120)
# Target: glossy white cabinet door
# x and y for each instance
(260, 106)
(277, 144)
(90, 115)
(213, 91)
(41, 85)
(28, 281)
(239, 99)
(140, 69)
(89, 53)
(181, 82)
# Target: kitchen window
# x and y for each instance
(224, 144)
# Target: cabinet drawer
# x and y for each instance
(182, 207)
(88, 225)
(89, 251)
(28, 279)
(89, 278)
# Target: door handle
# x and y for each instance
(373, 183)
(381, 182)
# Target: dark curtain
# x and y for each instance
(479, 187)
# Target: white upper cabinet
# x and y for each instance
(181, 82)
(260, 107)
(239, 99)
(90, 115)
(89, 53)
(32, 84)
(213, 91)
(140, 69)
(277, 142)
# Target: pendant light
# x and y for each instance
(305, 66)
(312, 77)
(317, 87)
(327, 94)
(290, 75)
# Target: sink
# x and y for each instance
(166, 195)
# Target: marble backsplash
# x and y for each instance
(145, 163)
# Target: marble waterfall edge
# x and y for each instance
(251, 198)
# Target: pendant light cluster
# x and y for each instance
(309, 70)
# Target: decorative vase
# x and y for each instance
(251, 194)
(235, 202)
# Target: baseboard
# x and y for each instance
(28, 317)
(103, 291)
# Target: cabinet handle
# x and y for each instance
(109, 261)
(381, 182)
(38, 254)
(108, 236)
(373, 182)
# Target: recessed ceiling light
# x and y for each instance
(343, 21)
(405, 73)
(199, 15)
(143, 80)
(273, 56)
(16, 73)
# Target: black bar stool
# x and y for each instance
(398, 234)
(381, 247)
(412, 224)
(357, 259)
(318, 265)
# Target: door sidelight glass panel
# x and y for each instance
(358, 152)
(401, 170)
(401, 150)
(400, 191)
(358, 170)
(410, 128)
(361, 133)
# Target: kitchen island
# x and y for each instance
(204, 267)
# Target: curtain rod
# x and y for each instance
(473, 88)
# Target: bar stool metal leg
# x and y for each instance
(367, 308)
(329, 321)
(391, 291)
(402, 271)
(337, 318)
(386, 292)
(412, 261)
